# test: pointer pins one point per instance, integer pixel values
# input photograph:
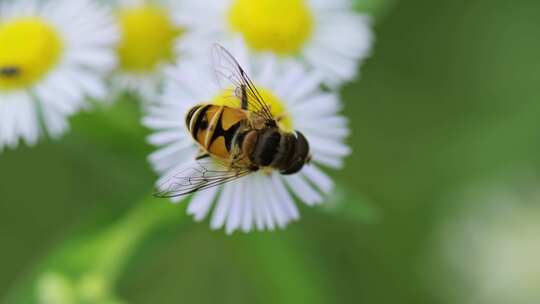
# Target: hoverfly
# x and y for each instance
(237, 140)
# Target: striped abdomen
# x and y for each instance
(216, 128)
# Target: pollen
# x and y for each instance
(278, 26)
(148, 36)
(30, 48)
(276, 105)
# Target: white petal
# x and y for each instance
(318, 178)
(274, 205)
(327, 145)
(266, 76)
(166, 137)
(285, 198)
(265, 203)
(317, 106)
(55, 122)
(170, 155)
(222, 206)
(249, 211)
(28, 122)
(303, 89)
(18, 119)
(7, 124)
(294, 74)
(257, 201)
(303, 190)
(159, 123)
(329, 121)
(338, 133)
(328, 160)
(234, 218)
(201, 203)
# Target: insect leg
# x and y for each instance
(201, 155)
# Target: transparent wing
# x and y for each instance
(228, 71)
(196, 176)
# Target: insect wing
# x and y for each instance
(229, 71)
(196, 176)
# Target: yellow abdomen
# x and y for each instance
(216, 127)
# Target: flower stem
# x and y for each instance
(119, 241)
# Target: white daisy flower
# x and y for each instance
(324, 34)
(53, 55)
(261, 200)
(147, 45)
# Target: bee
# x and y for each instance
(235, 140)
(10, 71)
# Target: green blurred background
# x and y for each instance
(449, 100)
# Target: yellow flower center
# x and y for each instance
(148, 36)
(29, 48)
(277, 107)
(279, 26)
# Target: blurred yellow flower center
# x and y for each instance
(29, 49)
(277, 107)
(279, 26)
(148, 36)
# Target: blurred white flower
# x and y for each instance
(491, 248)
(261, 200)
(323, 34)
(147, 45)
(53, 54)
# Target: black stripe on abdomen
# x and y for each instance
(228, 135)
(201, 121)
